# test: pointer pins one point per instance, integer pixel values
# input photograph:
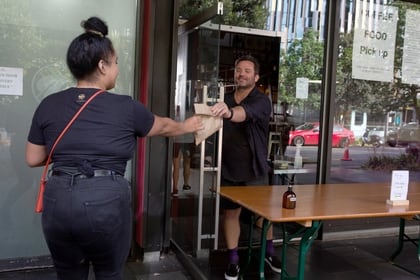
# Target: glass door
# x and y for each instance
(193, 218)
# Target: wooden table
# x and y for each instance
(316, 203)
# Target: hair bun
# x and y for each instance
(95, 26)
(95, 32)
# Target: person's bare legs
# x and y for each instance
(270, 258)
(232, 231)
(186, 169)
(270, 229)
(175, 173)
(232, 228)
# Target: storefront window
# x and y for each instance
(34, 40)
(375, 90)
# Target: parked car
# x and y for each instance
(408, 134)
(308, 134)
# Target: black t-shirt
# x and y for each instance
(104, 135)
(244, 155)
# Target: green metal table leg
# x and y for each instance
(418, 247)
(417, 218)
(286, 239)
(305, 244)
(402, 237)
(400, 240)
(249, 250)
(264, 230)
(307, 237)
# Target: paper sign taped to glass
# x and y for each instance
(211, 123)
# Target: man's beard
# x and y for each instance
(244, 87)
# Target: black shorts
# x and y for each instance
(229, 204)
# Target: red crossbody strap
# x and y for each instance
(44, 173)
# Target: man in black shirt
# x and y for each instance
(246, 114)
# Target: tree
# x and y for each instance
(404, 94)
(243, 13)
(377, 98)
(351, 94)
(190, 8)
(21, 44)
(304, 58)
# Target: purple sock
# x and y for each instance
(269, 248)
(233, 256)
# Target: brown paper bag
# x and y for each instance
(211, 123)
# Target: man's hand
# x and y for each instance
(221, 110)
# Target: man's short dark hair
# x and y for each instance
(251, 59)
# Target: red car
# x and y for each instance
(308, 134)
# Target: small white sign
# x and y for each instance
(302, 85)
(11, 81)
(410, 73)
(399, 185)
(374, 42)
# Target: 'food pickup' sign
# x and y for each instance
(374, 42)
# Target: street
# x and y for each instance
(358, 155)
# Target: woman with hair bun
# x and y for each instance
(87, 216)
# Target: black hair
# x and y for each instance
(251, 59)
(87, 49)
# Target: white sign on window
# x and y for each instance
(11, 81)
(302, 85)
(410, 71)
(374, 42)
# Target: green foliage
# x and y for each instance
(350, 93)
(404, 94)
(40, 50)
(389, 163)
(243, 13)
(125, 49)
(190, 8)
(376, 98)
(21, 44)
(304, 58)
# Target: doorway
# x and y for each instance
(193, 213)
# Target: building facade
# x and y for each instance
(147, 35)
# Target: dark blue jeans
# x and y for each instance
(87, 221)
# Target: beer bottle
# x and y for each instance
(289, 198)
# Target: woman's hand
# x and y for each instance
(194, 124)
(169, 127)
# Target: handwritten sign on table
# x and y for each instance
(399, 185)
